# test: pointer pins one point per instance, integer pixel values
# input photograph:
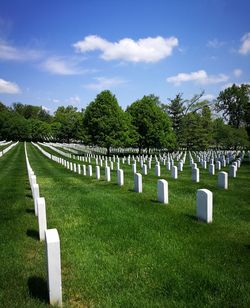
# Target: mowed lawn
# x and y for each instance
(123, 249)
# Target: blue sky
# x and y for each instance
(55, 53)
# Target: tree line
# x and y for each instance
(195, 124)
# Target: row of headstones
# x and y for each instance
(162, 185)
(8, 148)
(222, 176)
(51, 237)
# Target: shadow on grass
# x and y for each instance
(33, 234)
(28, 195)
(192, 217)
(38, 288)
(30, 211)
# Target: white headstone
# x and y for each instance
(107, 174)
(211, 169)
(97, 169)
(157, 170)
(196, 175)
(120, 177)
(35, 196)
(232, 171)
(54, 267)
(223, 180)
(84, 169)
(42, 221)
(145, 169)
(138, 182)
(174, 172)
(204, 205)
(134, 168)
(89, 170)
(162, 191)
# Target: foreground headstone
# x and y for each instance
(223, 180)
(42, 221)
(120, 177)
(84, 169)
(138, 182)
(204, 205)
(162, 191)
(54, 267)
(89, 170)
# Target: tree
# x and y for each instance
(234, 103)
(106, 123)
(70, 123)
(152, 124)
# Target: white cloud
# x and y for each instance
(245, 46)
(237, 72)
(200, 77)
(46, 109)
(215, 43)
(9, 87)
(228, 85)
(11, 53)
(103, 83)
(151, 49)
(61, 66)
(74, 100)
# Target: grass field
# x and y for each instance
(120, 248)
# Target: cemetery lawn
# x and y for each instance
(23, 269)
(120, 248)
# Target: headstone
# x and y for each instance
(180, 166)
(157, 170)
(120, 177)
(107, 174)
(218, 165)
(41, 214)
(174, 172)
(79, 169)
(204, 205)
(89, 170)
(134, 168)
(145, 169)
(54, 267)
(168, 165)
(223, 180)
(138, 182)
(97, 169)
(84, 169)
(211, 169)
(162, 191)
(35, 196)
(232, 171)
(196, 175)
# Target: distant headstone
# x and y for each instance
(41, 214)
(120, 177)
(138, 182)
(223, 180)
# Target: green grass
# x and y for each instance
(123, 249)
(22, 271)
(120, 248)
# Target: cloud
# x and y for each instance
(103, 83)
(229, 85)
(11, 53)
(237, 72)
(245, 46)
(215, 43)
(9, 87)
(151, 49)
(61, 66)
(74, 100)
(200, 77)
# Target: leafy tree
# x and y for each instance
(176, 111)
(106, 123)
(70, 120)
(234, 103)
(152, 124)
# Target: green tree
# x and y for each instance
(70, 121)
(234, 103)
(105, 122)
(152, 124)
